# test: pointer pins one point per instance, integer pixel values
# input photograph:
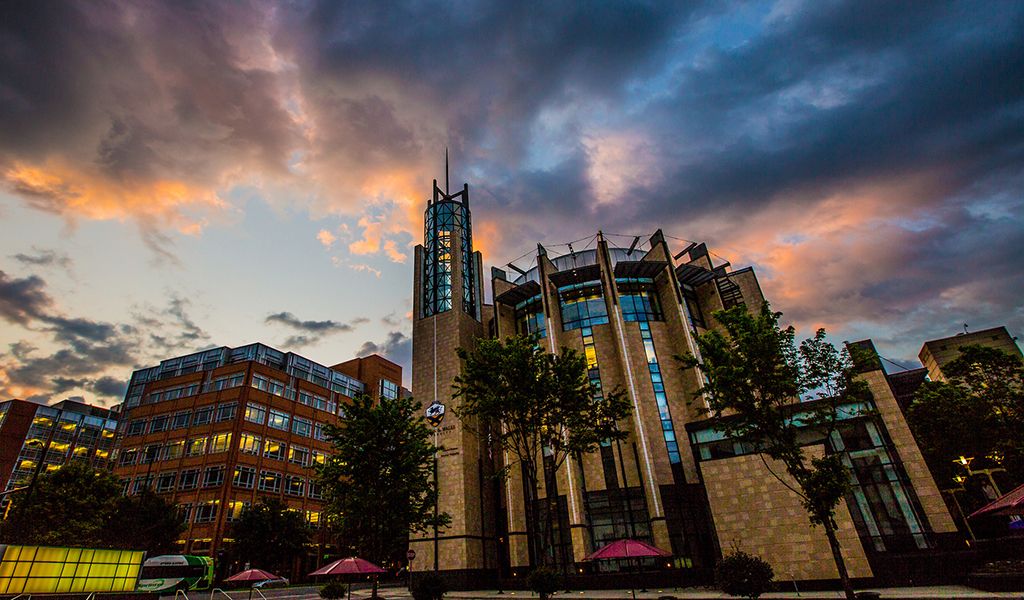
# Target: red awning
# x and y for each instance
(1008, 504)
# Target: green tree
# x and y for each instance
(378, 483)
(152, 522)
(77, 505)
(978, 412)
(755, 374)
(66, 507)
(269, 535)
(539, 404)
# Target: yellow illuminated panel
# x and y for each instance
(49, 570)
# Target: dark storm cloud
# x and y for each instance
(87, 351)
(43, 258)
(310, 331)
(396, 347)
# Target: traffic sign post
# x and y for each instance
(410, 554)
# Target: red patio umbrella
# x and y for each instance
(352, 565)
(627, 549)
(1008, 504)
(252, 575)
(349, 566)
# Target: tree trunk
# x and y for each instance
(837, 556)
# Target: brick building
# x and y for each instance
(35, 438)
(217, 430)
(630, 305)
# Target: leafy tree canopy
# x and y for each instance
(379, 482)
(978, 412)
(268, 535)
(528, 401)
(79, 506)
(755, 376)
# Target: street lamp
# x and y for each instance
(965, 462)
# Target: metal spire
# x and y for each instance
(447, 190)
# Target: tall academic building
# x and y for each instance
(218, 430)
(631, 306)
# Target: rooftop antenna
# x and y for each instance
(965, 328)
(447, 191)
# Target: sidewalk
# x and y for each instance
(908, 593)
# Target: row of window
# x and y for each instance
(227, 411)
(206, 512)
(248, 443)
(244, 477)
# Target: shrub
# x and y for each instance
(428, 586)
(742, 574)
(333, 591)
(545, 581)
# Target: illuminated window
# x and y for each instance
(270, 481)
(313, 518)
(220, 443)
(298, 455)
(274, 449)
(173, 450)
(271, 386)
(195, 446)
(250, 444)
(207, 511)
(530, 317)
(80, 452)
(255, 413)
(128, 456)
(639, 299)
(317, 457)
(245, 477)
(294, 486)
(235, 509)
(582, 305)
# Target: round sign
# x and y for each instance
(411, 554)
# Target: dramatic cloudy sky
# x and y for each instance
(178, 175)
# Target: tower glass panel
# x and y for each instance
(445, 218)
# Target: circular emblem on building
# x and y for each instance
(435, 413)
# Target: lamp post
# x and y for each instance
(960, 479)
(965, 462)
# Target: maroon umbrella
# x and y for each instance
(252, 575)
(627, 549)
(349, 566)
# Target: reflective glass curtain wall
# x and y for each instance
(443, 219)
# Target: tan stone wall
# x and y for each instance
(937, 353)
(935, 510)
(755, 510)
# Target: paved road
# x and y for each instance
(395, 592)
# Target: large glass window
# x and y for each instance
(274, 449)
(136, 427)
(270, 481)
(388, 389)
(202, 416)
(220, 443)
(442, 220)
(226, 412)
(245, 477)
(213, 476)
(249, 444)
(173, 450)
(195, 446)
(207, 511)
(181, 420)
(639, 299)
(294, 486)
(667, 428)
(165, 481)
(159, 423)
(298, 455)
(188, 479)
(530, 317)
(255, 413)
(278, 420)
(582, 305)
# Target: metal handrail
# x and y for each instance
(215, 590)
(260, 592)
(183, 594)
